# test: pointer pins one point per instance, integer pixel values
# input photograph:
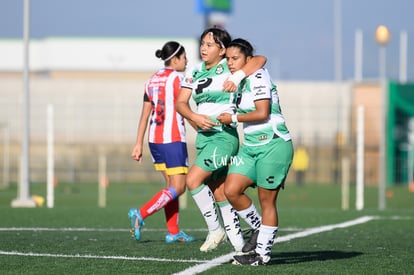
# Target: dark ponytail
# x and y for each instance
(169, 50)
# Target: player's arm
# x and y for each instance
(183, 108)
(261, 113)
(142, 127)
(255, 63)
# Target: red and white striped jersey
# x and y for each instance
(162, 89)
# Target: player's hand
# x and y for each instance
(204, 122)
(137, 153)
(229, 86)
(224, 118)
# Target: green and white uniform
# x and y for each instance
(267, 151)
(215, 147)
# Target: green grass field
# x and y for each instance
(78, 237)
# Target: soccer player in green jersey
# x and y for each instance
(264, 158)
(216, 144)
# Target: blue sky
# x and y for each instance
(297, 36)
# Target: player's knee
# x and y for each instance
(230, 192)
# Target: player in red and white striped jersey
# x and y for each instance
(166, 138)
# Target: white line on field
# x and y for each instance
(64, 229)
(324, 228)
(228, 257)
(31, 254)
(203, 266)
(85, 229)
(77, 229)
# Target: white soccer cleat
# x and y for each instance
(214, 238)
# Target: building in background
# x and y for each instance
(95, 86)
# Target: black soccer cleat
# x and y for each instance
(251, 259)
(251, 244)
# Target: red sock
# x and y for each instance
(157, 202)
(171, 216)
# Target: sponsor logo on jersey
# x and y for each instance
(270, 179)
(259, 87)
(260, 92)
(188, 80)
(262, 137)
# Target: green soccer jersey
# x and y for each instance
(259, 86)
(207, 90)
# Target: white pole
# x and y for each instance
(183, 200)
(360, 160)
(102, 181)
(382, 186)
(50, 157)
(337, 13)
(409, 163)
(410, 154)
(403, 56)
(6, 157)
(345, 183)
(383, 37)
(358, 55)
(338, 40)
(23, 199)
